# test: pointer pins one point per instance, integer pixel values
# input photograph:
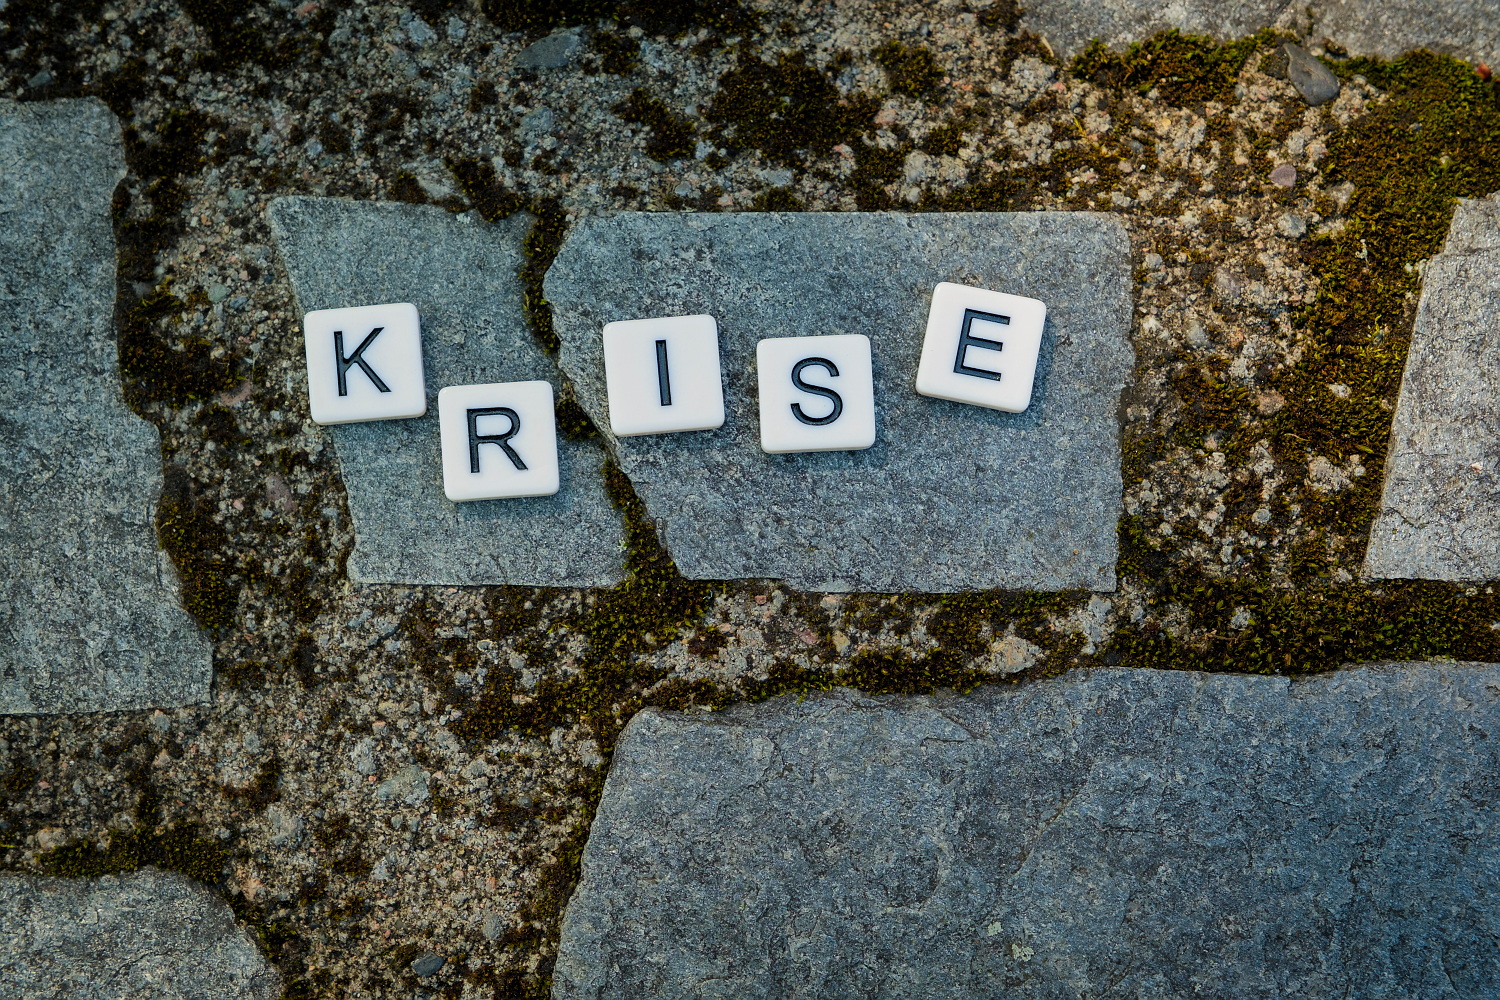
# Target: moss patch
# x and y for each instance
(1183, 69)
(1435, 139)
(673, 136)
(910, 70)
(786, 109)
(174, 849)
(189, 534)
(660, 17)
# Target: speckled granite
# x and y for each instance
(90, 617)
(951, 497)
(148, 935)
(463, 275)
(1125, 832)
(1440, 512)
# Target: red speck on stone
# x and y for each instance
(1484, 72)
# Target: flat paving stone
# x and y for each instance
(90, 615)
(1119, 832)
(952, 496)
(148, 935)
(463, 276)
(1440, 511)
(1469, 29)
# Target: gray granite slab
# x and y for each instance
(90, 616)
(1110, 833)
(1469, 29)
(148, 935)
(1440, 510)
(952, 496)
(1069, 25)
(463, 276)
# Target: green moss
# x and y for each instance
(786, 109)
(910, 70)
(618, 52)
(572, 419)
(673, 136)
(661, 17)
(1001, 15)
(1434, 139)
(945, 140)
(157, 370)
(174, 849)
(1184, 69)
(874, 168)
(542, 245)
(190, 536)
(34, 35)
(778, 199)
(405, 187)
(224, 21)
(262, 791)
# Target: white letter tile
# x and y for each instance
(981, 347)
(499, 440)
(364, 363)
(663, 375)
(816, 393)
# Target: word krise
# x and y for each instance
(663, 377)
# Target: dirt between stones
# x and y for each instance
(387, 773)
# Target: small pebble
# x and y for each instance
(429, 964)
(1284, 175)
(1313, 80)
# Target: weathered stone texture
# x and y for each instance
(464, 277)
(1123, 832)
(90, 617)
(952, 496)
(144, 936)
(1440, 513)
(1469, 29)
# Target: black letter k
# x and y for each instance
(357, 358)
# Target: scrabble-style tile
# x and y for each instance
(364, 363)
(499, 440)
(663, 375)
(816, 393)
(981, 347)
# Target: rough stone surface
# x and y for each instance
(1439, 517)
(1314, 81)
(144, 936)
(951, 497)
(1114, 832)
(1469, 29)
(90, 617)
(1386, 28)
(1069, 25)
(463, 276)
